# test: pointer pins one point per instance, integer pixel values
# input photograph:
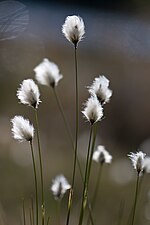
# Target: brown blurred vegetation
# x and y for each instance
(125, 128)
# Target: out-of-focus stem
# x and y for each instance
(135, 199)
(72, 144)
(96, 189)
(23, 211)
(85, 186)
(41, 168)
(76, 137)
(35, 181)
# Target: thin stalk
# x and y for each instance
(48, 220)
(35, 181)
(41, 166)
(89, 169)
(90, 210)
(67, 128)
(135, 200)
(72, 144)
(139, 193)
(59, 212)
(84, 194)
(92, 150)
(77, 118)
(96, 189)
(97, 185)
(32, 210)
(141, 185)
(23, 212)
(31, 221)
(63, 117)
(76, 137)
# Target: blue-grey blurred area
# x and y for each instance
(117, 45)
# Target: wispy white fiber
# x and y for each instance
(47, 73)
(93, 110)
(101, 155)
(137, 160)
(73, 29)
(100, 89)
(28, 93)
(22, 130)
(59, 186)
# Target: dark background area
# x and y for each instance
(116, 44)
(111, 5)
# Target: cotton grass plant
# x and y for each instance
(29, 94)
(22, 130)
(48, 73)
(137, 160)
(74, 29)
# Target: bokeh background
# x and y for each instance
(117, 45)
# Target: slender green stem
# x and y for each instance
(84, 194)
(142, 178)
(77, 119)
(23, 211)
(32, 210)
(63, 117)
(67, 128)
(76, 138)
(41, 166)
(89, 170)
(31, 220)
(35, 181)
(48, 220)
(96, 189)
(71, 141)
(135, 200)
(90, 210)
(59, 212)
(139, 193)
(92, 150)
(97, 185)
(72, 144)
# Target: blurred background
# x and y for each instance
(117, 45)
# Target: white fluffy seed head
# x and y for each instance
(73, 29)
(93, 110)
(101, 155)
(22, 130)
(146, 165)
(47, 73)
(100, 89)
(28, 93)
(137, 160)
(59, 186)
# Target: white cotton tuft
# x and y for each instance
(93, 110)
(59, 186)
(137, 160)
(47, 73)
(101, 155)
(73, 29)
(100, 89)
(22, 130)
(28, 93)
